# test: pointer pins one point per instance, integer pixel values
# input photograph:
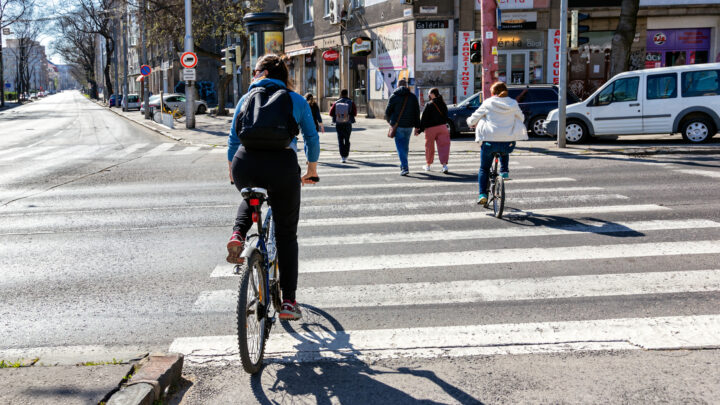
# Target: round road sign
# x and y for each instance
(188, 60)
(145, 70)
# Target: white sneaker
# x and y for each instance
(426, 168)
(445, 169)
(342, 159)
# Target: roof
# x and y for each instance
(673, 69)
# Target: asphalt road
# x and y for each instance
(112, 244)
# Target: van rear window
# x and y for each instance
(701, 83)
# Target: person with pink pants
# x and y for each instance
(434, 123)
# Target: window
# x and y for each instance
(327, 7)
(662, 86)
(308, 11)
(289, 12)
(332, 77)
(543, 96)
(618, 91)
(310, 74)
(701, 83)
(358, 3)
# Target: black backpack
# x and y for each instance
(266, 119)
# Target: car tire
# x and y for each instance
(697, 130)
(576, 132)
(535, 126)
(453, 132)
(201, 109)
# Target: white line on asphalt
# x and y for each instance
(316, 343)
(432, 183)
(29, 152)
(522, 255)
(462, 203)
(706, 173)
(477, 215)
(469, 291)
(218, 150)
(363, 172)
(9, 151)
(159, 149)
(64, 151)
(124, 152)
(187, 150)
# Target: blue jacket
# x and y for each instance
(302, 114)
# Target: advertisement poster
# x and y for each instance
(553, 56)
(273, 42)
(434, 45)
(465, 86)
(389, 45)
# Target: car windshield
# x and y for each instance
(470, 100)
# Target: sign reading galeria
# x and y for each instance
(434, 45)
(465, 73)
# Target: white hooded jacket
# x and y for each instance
(498, 119)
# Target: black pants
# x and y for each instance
(279, 173)
(343, 134)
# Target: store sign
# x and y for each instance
(520, 40)
(659, 38)
(554, 56)
(679, 39)
(434, 45)
(361, 46)
(430, 25)
(428, 9)
(515, 4)
(465, 86)
(330, 55)
(518, 20)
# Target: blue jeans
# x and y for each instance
(486, 160)
(402, 144)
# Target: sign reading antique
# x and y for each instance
(330, 55)
(361, 46)
(465, 85)
(554, 56)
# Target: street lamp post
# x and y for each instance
(562, 86)
(189, 85)
(146, 96)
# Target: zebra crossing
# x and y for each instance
(376, 253)
(110, 152)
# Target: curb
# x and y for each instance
(147, 126)
(152, 379)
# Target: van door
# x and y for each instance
(617, 109)
(661, 103)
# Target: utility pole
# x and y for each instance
(2, 74)
(488, 34)
(562, 86)
(189, 84)
(125, 61)
(116, 87)
(143, 39)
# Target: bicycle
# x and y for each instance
(496, 193)
(259, 294)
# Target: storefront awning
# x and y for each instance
(303, 51)
(139, 78)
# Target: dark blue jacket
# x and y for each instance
(411, 115)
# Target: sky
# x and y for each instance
(45, 7)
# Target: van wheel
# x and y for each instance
(535, 126)
(697, 130)
(576, 132)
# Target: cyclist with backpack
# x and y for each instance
(262, 152)
(343, 113)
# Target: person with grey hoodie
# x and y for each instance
(498, 124)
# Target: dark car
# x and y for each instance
(535, 101)
(114, 101)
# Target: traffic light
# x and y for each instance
(229, 59)
(575, 29)
(476, 51)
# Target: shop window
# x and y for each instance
(701, 83)
(662, 86)
(332, 79)
(675, 58)
(289, 12)
(310, 74)
(698, 57)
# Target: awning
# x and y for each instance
(139, 78)
(303, 51)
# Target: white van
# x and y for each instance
(684, 99)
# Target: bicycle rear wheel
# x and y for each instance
(252, 314)
(499, 196)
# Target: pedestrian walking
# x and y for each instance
(315, 112)
(403, 114)
(498, 123)
(343, 113)
(434, 123)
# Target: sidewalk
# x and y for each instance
(370, 135)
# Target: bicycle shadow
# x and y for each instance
(580, 225)
(342, 376)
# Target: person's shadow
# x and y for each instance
(342, 376)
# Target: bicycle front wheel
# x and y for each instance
(252, 314)
(499, 196)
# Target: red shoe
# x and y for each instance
(235, 248)
(290, 311)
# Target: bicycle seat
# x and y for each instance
(254, 192)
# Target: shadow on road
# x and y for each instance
(530, 219)
(346, 379)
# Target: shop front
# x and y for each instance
(676, 47)
(360, 48)
(520, 57)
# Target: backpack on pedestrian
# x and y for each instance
(266, 119)
(342, 111)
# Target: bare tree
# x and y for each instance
(76, 45)
(11, 11)
(27, 52)
(623, 38)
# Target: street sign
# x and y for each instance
(189, 75)
(8, 85)
(188, 60)
(165, 65)
(145, 70)
(6, 31)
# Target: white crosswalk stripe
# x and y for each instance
(706, 173)
(28, 153)
(127, 151)
(433, 183)
(163, 147)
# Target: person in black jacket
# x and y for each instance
(343, 113)
(409, 119)
(434, 124)
(315, 112)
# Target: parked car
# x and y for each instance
(684, 99)
(175, 100)
(114, 100)
(535, 101)
(132, 100)
(33, 96)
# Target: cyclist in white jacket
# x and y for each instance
(498, 123)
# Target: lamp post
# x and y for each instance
(189, 84)
(562, 86)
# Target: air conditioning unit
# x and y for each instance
(336, 7)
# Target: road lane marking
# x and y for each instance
(29, 152)
(163, 147)
(472, 291)
(187, 150)
(432, 183)
(367, 172)
(316, 343)
(522, 255)
(705, 173)
(126, 151)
